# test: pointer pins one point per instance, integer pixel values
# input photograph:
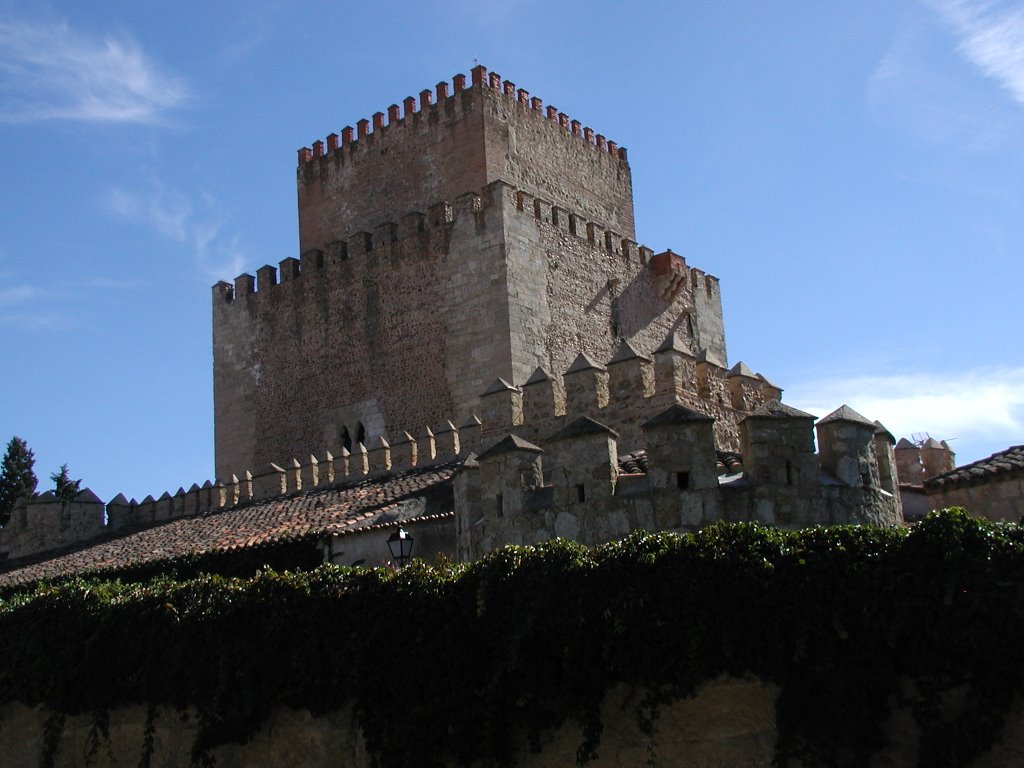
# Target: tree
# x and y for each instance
(64, 488)
(17, 477)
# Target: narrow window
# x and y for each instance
(500, 505)
(360, 433)
(682, 480)
(789, 473)
(346, 440)
(581, 493)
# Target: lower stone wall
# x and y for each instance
(999, 499)
(729, 723)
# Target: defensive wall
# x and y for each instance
(409, 323)
(548, 463)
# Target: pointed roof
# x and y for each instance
(676, 414)
(846, 413)
(740, 369)
(582, 427)
(499, 385)
(583, 363)
(472, 421)
(539, 376)
(118, 501)
(768, 381)
(931, 442)
(673, 343)
(44, 497)
(509, 444)
(627, 352)
(903, 444)
(880, 429)
(773, 409)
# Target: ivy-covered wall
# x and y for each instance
(451, 664)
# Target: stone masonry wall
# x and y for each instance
(728, 722)
(1001, 498)
(384, 333)
(592, 289)
(406, 326)
(45, 523)
(448, 144)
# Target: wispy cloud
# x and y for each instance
(923, 86)
(28, 321)
(48, 71)
(16, 293)
(180, 218)
(983, 407)
(991, 37)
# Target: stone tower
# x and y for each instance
(470, 234)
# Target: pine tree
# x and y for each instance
(17, 477)
(64, 488)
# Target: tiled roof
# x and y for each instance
(726, 462)
(1002, 464)
(337, 510)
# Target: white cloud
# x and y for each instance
(177, 218)
(51, 72)
(991, 37)
(982, 409)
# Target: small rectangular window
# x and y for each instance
(581, 493)
(682, 480)
(500, 505)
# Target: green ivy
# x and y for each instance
(458, 663)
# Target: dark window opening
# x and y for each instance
(581, 493)
(500, 505)
(360, 433)
(789, 473)
(346, 440)
(682, 480)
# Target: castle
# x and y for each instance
(472, 337)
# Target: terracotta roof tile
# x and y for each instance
(340, 509)
(1009, 462)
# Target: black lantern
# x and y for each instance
(400, 544)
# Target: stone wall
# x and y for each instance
(569, 486)
(434, 259)
(1001, 498)
(730, 722)
(451, 141)
(390, 331)
(45, 523)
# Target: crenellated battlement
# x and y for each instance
(346, 146)
(571, 482)
(416, 234)
(547, 449)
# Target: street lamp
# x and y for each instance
(400, 544)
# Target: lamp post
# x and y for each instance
(400, 544)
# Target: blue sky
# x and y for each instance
(852, 171)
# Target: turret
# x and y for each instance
(778, 446)
(846, 445)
